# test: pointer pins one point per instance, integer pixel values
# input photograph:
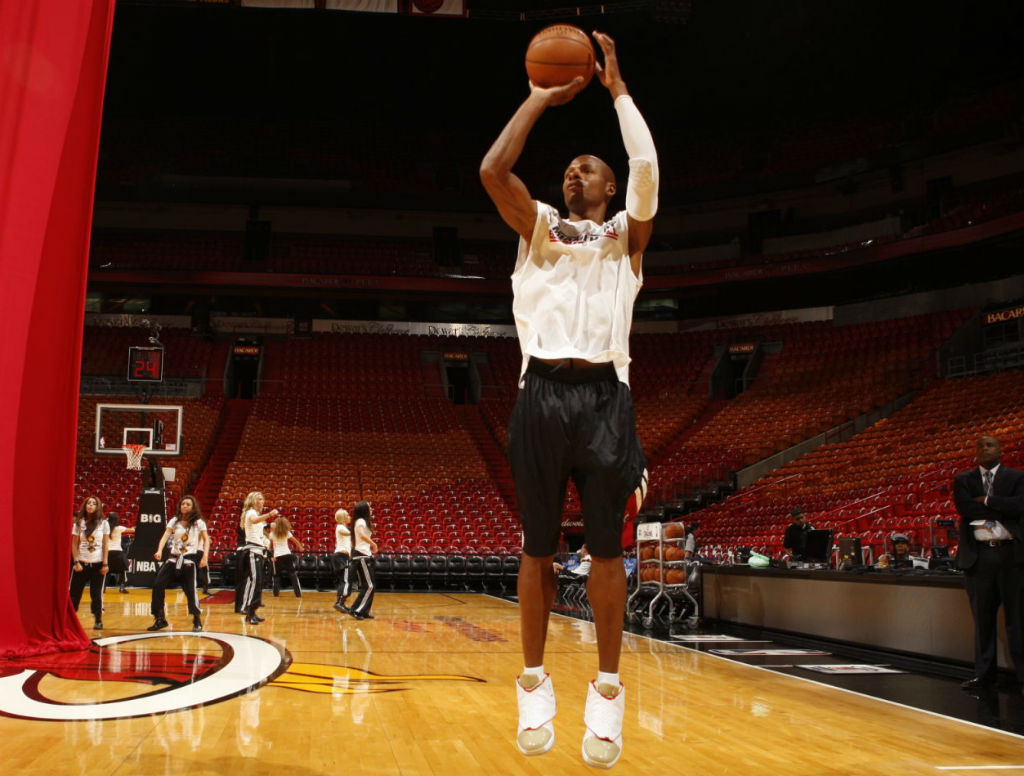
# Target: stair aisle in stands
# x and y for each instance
(490, 451)
(710, 410)
(230, 435)
(216, 367)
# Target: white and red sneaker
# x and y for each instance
(536, 734)
(602, 741)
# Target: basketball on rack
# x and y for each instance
(674, 531)
(558, 54)
(673, 554)
(675, 577)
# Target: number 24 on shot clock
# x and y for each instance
(145, 364)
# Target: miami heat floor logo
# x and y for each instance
(232, 665)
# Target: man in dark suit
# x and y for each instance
(990, 500)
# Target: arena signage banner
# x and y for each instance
(423, 329)
(128, 320)
(243, 325)
(1002, 316)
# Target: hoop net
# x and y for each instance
(134, 454)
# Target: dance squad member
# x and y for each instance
(189, 548)
(115, 554)
(90, 538)
(254, 551)
(362, 559)
(341, 560)
(203, 575)
(284, 561)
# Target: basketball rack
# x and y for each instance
(677, 599)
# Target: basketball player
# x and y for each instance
(362, 559)
(573, 290)
(189, 545)
(284, 561)
(115, 554)
(90, 539)
(253, 553)
(341, 560)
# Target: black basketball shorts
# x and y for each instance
(575, 423)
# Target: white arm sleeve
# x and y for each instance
(642, 187)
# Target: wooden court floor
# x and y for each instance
(426, 688)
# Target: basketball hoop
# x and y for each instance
(134, 454)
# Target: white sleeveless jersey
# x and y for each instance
(342, 539)
(574, 290)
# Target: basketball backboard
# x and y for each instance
(157, 426)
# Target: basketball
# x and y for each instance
(559, 53)
(675, 577)
(674, 531)
(675, 554)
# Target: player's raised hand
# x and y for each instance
(558, 95)
(609, 74)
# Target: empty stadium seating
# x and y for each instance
(344, 417)
(894, 477)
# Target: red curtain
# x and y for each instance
(53, 61)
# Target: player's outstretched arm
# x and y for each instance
(642, 187)
(505, 188)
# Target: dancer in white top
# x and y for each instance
(115, 553)
(189, 543)
(363, 550)
(281, 537)
(574, 285)
(89, 546)
(341, 560)
(251, 522)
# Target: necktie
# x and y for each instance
(988, 492)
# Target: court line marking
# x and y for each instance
(979, 767)
(807, 679)
(844, 689)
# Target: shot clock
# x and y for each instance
(145, 365)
